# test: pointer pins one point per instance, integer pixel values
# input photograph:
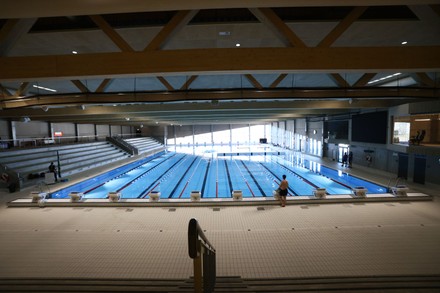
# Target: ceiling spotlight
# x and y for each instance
(237, 45)
(128, 119)
(74, 52)
(25, 119)
(404, 43)
(141, 125)
(157, 122)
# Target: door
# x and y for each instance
(419, 169)
(402, 169)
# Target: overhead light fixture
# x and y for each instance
(74, 52)
(25, 119)
(383, 78)
(128, 119)
(237, 45)
(157, 122)
(44, 88)
(422, 119)
(404, 43)
(141, 125)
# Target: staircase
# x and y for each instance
(145, 144)
(406, 284)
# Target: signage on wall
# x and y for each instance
(58, 133)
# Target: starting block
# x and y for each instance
(319, 192)
(195, 195)
(114, 196)
(76, 196)
(237, 195)
(360, 191)
(399, 190)
(154, 195)
(38, 196)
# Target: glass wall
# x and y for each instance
(203, 135)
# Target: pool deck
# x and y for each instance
(307, 238)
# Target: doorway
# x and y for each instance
(342, 149)
(402, 169)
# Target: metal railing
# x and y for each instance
(119, 142)
(203, 254)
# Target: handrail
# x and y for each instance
(118, 141)
(203, 254)
(194, 232)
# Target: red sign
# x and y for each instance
(58, 133)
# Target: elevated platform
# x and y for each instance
(256, 201)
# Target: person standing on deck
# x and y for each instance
(284, 185)
(53, 169)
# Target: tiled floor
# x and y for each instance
(356, 239)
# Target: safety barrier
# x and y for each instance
(203, 254)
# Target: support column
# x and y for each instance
(13, 132)
(76, 132)
(165, 135)
(230, 134)
(96, 132)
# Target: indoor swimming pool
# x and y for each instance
(216, 173)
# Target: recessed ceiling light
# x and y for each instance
(237, 45)
(404, 42)
(74, 52)
(127, 118)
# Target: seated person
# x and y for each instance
(418, 138)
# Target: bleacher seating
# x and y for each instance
(144, 144)
(30, 163)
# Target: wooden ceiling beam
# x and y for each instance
(424, 79)
(12, 31)
(268, 17)
(364, 79)
(253, 81)
(221, 61)
(190, 80)
(111, 33)
(104, 85)
(342, 26)
(339, 80)
(368, 93)
(5, 92)
(80, 86)
(428, 15)
(278, 80)
(32, 8)
(22, 89)
(177, 22)
(165, 83)
(185, 109)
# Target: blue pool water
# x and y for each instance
(216, 174)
